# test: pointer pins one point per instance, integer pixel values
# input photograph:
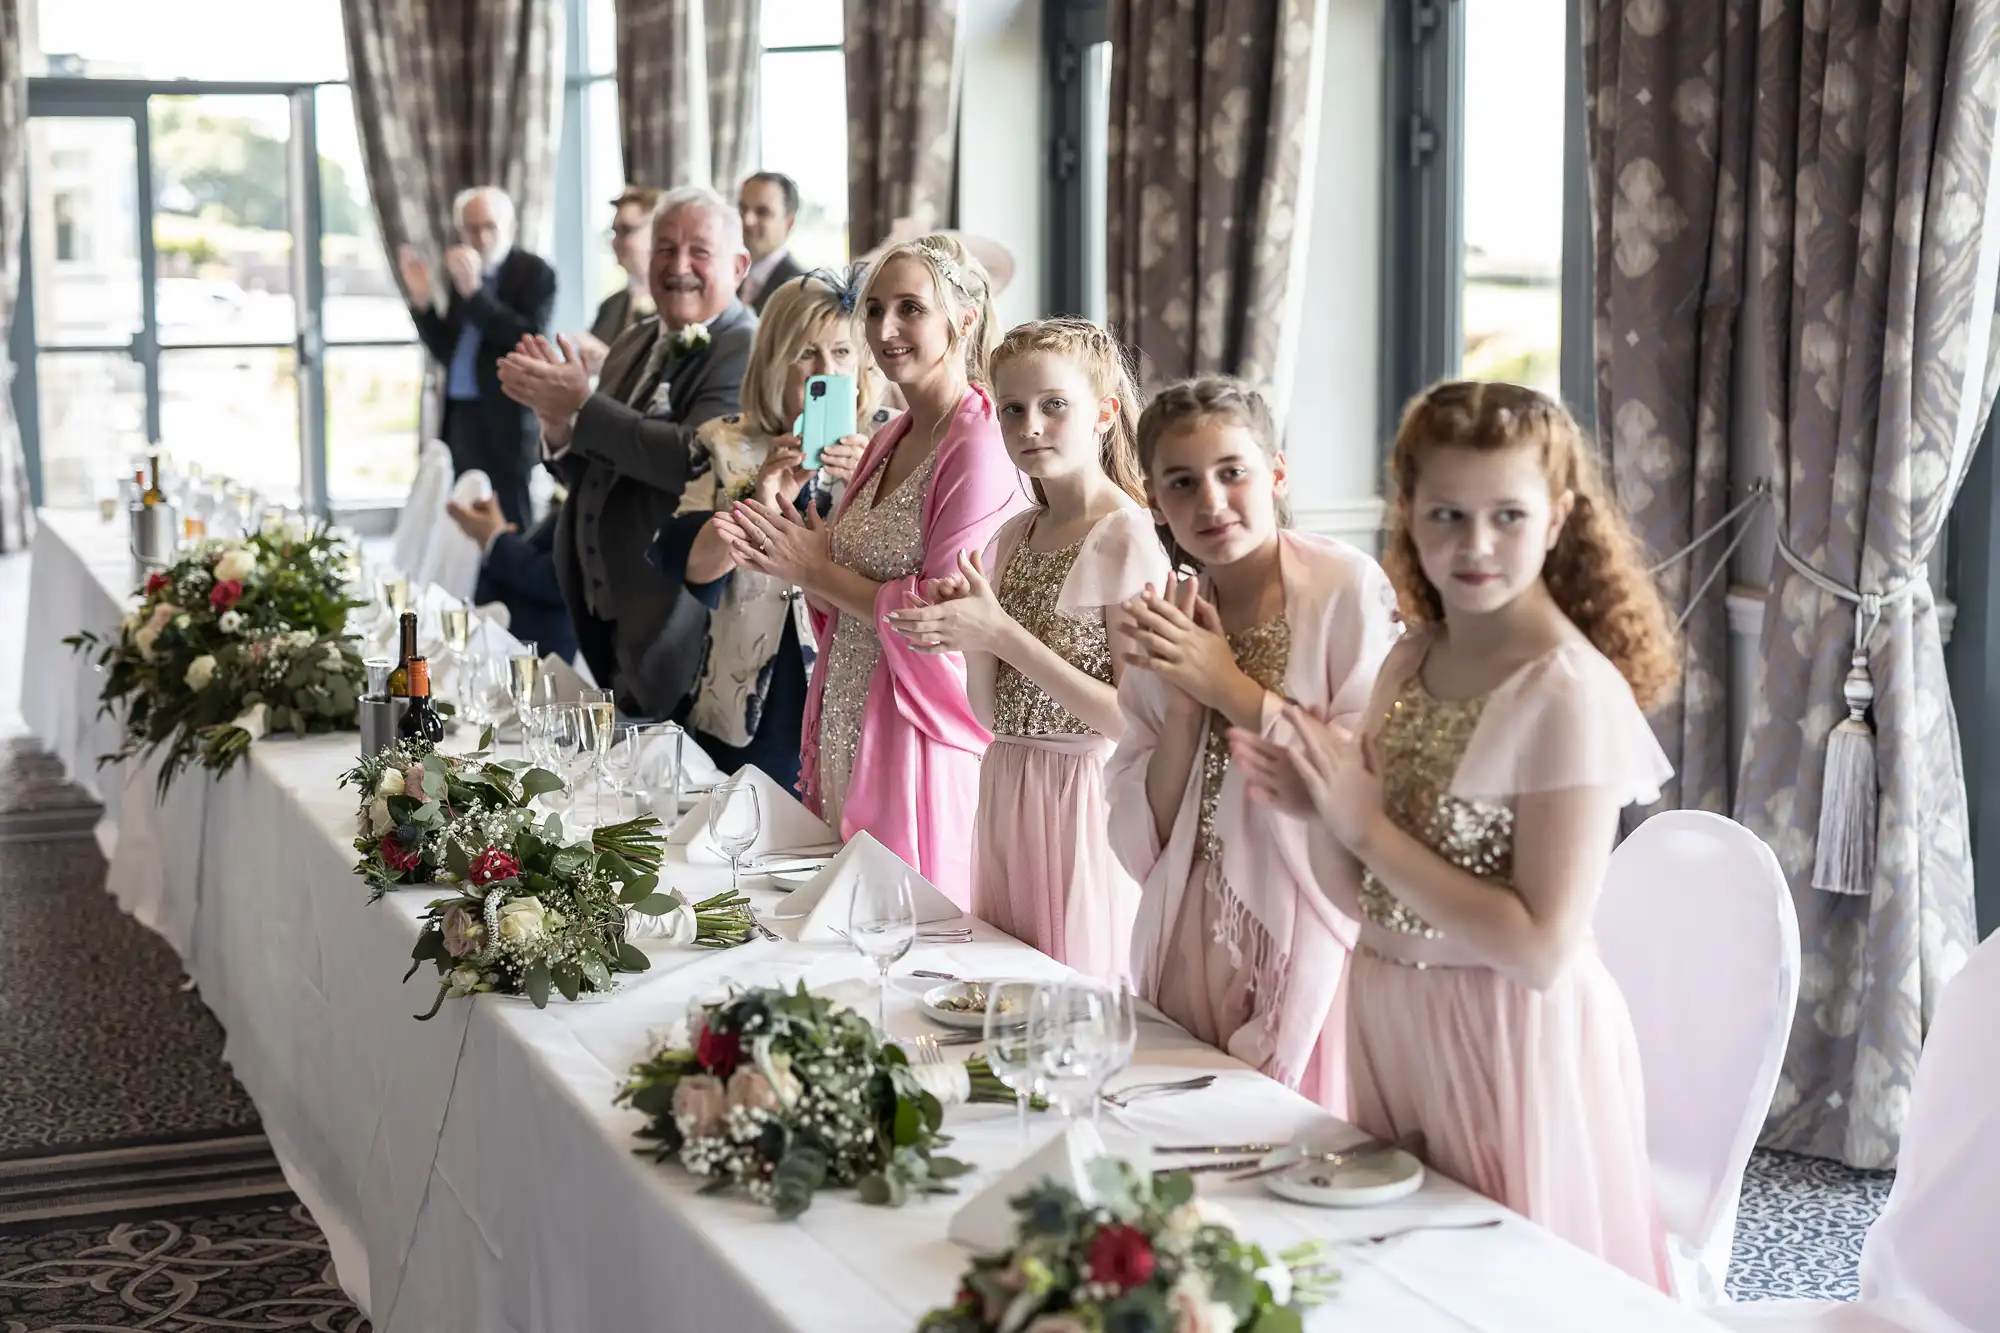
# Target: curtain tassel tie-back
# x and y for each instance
(1844, 861)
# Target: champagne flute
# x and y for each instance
(734, 821)
(524, 674)
(393, 590)
(882, 925)
(560, 736)
(457, 627)
(601, 719)
(456, 623)
(621, 765)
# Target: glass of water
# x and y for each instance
(734, 821)
(882, 925)
(1074, 1036)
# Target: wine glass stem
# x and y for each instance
(734, 885)
(1021, 1099)
(882, 998)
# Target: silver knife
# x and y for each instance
(1230, 1149)
(1341, 1158)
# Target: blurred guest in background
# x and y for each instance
(518, 571)
(769, 203)
(632, 242)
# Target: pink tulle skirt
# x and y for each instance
(1043, 870)
(1533, 1098)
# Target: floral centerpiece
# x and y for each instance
(1147, 1257)
(535, 914)
(783, 1093)
(232, 641)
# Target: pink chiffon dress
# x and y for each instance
(1234, 939)
(1042, 870)
(1532, 1097)
(889, 742)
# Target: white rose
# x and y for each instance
(467, 981)
(522, 919)
(200, 672)
(950, 1083)
(391, 783)
(1279, 1279)
(182, 621)
(235, 563)
(144, 641)
(252, 720)
(379, 819)
(229, 621)
(777, 1071)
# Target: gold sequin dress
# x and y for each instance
(882, 539)
(1532, 1097)
(1043, 870)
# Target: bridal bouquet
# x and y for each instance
(232, 641)
(1147, 1256)
(784, 1093)
(534, 914)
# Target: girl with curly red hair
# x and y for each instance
(1480, 800)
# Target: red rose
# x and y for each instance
(225, 594)
(154, 582)
(396, 858)
(493, 865)
(1121, 1257)
(717, 1051)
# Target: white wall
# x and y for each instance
(1334, 437)
(1001, 138)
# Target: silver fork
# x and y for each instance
(923, 1049)
(1126, 1096)
(1426, 1226)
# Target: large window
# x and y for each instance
(803, 121)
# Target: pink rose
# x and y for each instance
(463, 932)
(413, 782)
(699, 1104)
(752, 1091)
(225, 594)
(162, 613)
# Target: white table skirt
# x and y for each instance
(472, 1172)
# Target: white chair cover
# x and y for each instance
(1697, 926)
(452, 562)
(422, 511)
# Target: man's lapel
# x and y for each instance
(627, 360)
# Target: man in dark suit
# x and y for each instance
(632, 243)
(519, 572)
(624, 450)
(499, 295)
(769, 204)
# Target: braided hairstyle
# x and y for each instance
(1103, 362)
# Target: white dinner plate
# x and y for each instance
(935, 1007)
(1379, 1178)
(786, 881)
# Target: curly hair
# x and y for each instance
(1191, 402)
(1097, 354)
(1597, 571)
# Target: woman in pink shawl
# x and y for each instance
(1234, 939)
(890, 743)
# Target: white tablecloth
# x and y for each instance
(472, 1173)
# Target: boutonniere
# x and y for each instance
(691, 337)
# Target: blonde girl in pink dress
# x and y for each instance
(1480, 797)
(889, 742)
(1041, 660)
(1233, 941)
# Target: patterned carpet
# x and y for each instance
(1799, 1228)
(137, 1189)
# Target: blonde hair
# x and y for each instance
(1597, 570)
(1191, 402)
(1095, 353)
(961, 284)
(796, 315)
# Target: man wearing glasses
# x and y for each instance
(632, 243)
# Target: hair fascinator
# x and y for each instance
(845, 282)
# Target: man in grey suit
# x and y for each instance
(623, 450)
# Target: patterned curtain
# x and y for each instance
(1209, 139)
(1667, 98)
(687, 90)
(1875, 252)
(17, 515)
(451, 94)
(902, 116)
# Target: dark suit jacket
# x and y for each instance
(525, 299)
(520, 572)
(788, 270)
(612, 315)
(624, 472)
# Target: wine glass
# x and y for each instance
(1071, 1033)
(734, 821)
(882, 924)
(1010, 1051)
(559, 734)
(621, 765)
(1121, 1016)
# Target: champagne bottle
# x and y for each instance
(421, 718)
(399, 679)
(153, 495)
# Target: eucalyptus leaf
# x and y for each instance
(538, 781)
(568, 981)
(597, 974)
(657, 904)
(536, 983)
(1278, 1319)
(909, 1122)
(631, 958)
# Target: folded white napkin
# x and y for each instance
(491, 639)
(494, 612)
(986, 1223)
(569, 686)
(825, 901)
(783, 825)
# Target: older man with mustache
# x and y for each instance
(625, 450)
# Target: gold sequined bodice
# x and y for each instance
(1028, 591)
(1263, 652)
(1421, 747)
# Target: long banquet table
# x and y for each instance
(471, 1173)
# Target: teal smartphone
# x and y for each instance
(829, 415)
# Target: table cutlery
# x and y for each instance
(764, 930)
(1126, 1096)
(1203, 1168)
(1340, 1158)
(960, 936)
(1222, 1149)
(1424, 1226)
(935, 976)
